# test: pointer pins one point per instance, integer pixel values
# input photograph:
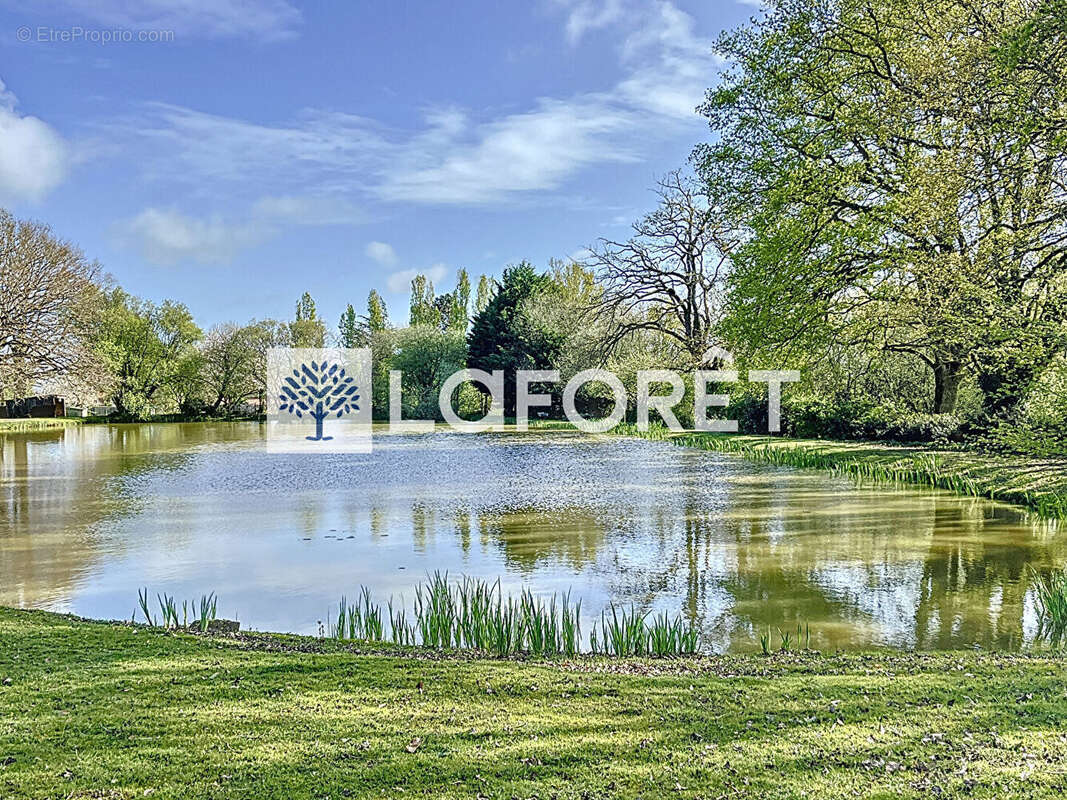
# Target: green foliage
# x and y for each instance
(485, 294)
(1050, 594)
(458, 316)
(307, 329)
(423, 310)
(502, 338)
(350, 331)
(426, 355)
(883, 156)
(145, 348)
(377, 315)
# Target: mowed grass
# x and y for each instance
(110, 711)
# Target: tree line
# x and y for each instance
(882, 204)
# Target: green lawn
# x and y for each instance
(111, 711)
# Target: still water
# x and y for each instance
(88, 515)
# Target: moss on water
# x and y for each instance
(91, 709)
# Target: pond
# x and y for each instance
(90, 514)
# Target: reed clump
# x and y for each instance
(195, 614)
(1050, 595)
(474, 614)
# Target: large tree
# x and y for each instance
(145, 347)
(49, 302)
(901, 165)
(670, 276)
(502, 336)
(230, 363)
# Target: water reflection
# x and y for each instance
(90, 514)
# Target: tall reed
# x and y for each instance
(473, 614)
(1050, 595)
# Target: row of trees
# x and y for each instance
(884, 205)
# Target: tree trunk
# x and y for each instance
(947, 377)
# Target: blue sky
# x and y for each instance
(272, 148)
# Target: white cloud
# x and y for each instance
(308, 210)
(587, 15)
(261, 19)
(672, 65)
(455, 157)
(518, 153)
(381, 252)
(167, 236)
(34, 158)
(400, 282)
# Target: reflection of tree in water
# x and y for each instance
(57, 487)
(867, 567)
(531, 539)
(974, 581)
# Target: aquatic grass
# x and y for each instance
(474, 614)
(201, 613)
(169, 609)
(1050, 595)
(668, 637)
(208, 609)
(142, 599)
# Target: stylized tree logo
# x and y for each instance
(319, 390)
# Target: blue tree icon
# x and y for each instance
(319, 390)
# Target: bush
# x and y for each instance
(816, 418)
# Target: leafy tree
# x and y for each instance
(381, 344)
(427, 355)
(351, 331)
(459, 312)
(144, 346)
(423, 309)
(49, 304)
(901, 165)
(485, 292)
(501, 337)
(308, 329)
(263, 335)
(230, 358)
(377, 315)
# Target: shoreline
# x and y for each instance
(1035, 484)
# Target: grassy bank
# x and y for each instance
(23, 425)
(1039, 484)
(105, 710)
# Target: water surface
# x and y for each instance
(89, 514)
